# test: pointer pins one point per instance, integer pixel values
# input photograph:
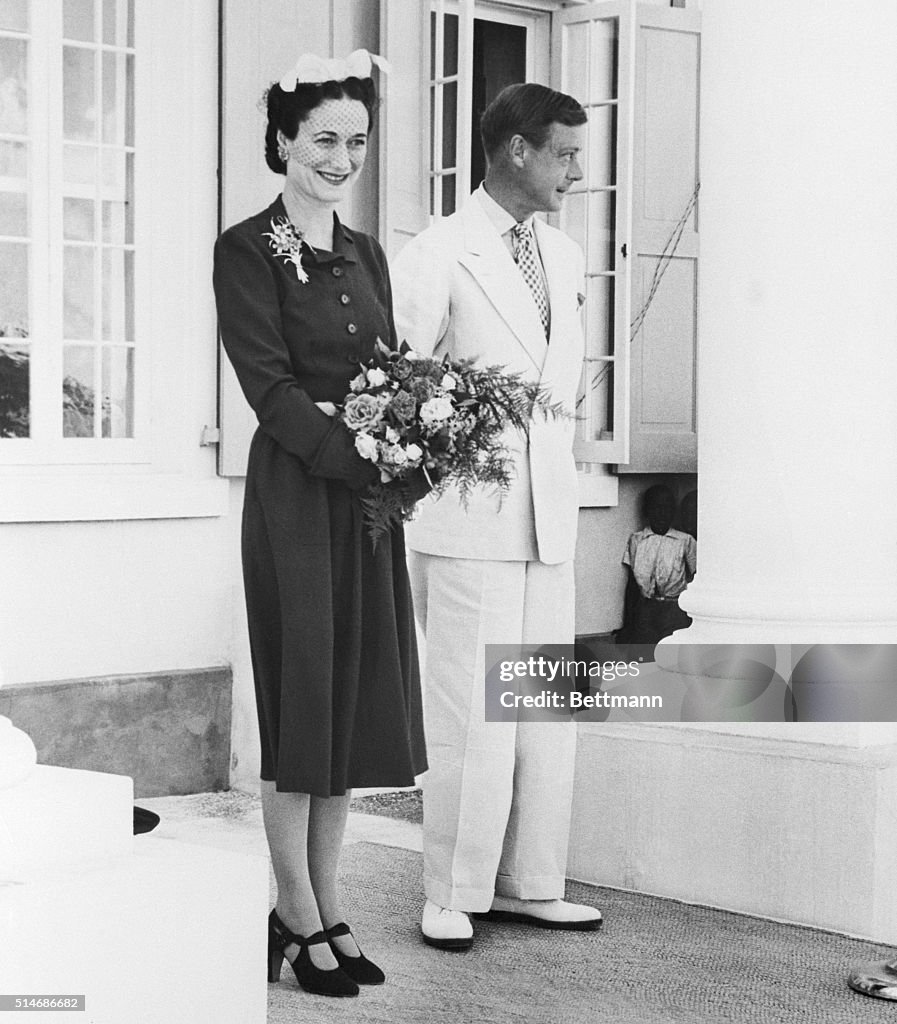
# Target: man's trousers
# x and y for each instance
(497, 795)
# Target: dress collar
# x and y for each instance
(343, 237)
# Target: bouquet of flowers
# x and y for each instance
(438, 420)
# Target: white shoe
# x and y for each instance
(557, 914)
(444, 928)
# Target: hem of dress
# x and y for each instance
(398, 783)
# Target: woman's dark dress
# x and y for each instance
(331, 626)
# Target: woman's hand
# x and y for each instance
(337, 459)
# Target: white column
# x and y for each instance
(797, 375)
(17, 753)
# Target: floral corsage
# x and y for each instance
(286, 241)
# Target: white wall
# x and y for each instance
(91, 599)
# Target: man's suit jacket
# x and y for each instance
(456, 289)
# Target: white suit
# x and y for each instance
(497, 795)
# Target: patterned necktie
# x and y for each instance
(526, 259)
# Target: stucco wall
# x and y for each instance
(91, 599)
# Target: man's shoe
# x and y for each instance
(444, 928)
(557, 914)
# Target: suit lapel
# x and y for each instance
(492, 267)
(557, 273)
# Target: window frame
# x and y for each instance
(536, 19)
(590, 448)
(46, 444)
(165, 471)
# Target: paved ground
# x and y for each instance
(733, 968)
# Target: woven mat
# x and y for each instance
(655, 962)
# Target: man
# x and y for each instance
(491, 283)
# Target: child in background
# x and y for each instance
(660, 562)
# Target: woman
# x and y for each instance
(301, 302)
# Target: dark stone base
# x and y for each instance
(170, 731)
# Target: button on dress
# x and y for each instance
(331, 625)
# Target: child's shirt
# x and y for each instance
(662, 563)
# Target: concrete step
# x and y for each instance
(62, 818)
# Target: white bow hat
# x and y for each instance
(313, 70)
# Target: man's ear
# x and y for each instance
(517, 147)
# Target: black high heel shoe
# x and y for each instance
(359, 968)
(333, 982)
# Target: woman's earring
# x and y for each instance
(283, 152)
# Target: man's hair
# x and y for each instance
(529, 110)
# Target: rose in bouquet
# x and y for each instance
(427, 423)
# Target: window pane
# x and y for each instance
(604, 60)
(118, 392)
(78, 391)
(78, 292)
(77, 219)
(573, 217)
(598, 398)
(600, 315)
(602, 207)
(14, 86)
(433, 127)
(117, 21)
(14, 390)
(602, 154)
(13, 160)
(78, 20)
(129, 101)
(449, 123)
(432, 45)
(118, 79)
(14, 15)
(14, 290)
(576, 65)
(79, 165)
(117, 172)
(450, 45)
(118, 295)
(79, 94)
(448, 194)
(605, 419)
(14, 214)
(118, 223)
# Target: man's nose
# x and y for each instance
(574, 171)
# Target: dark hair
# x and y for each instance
(529, 110)
(656, 493)
(287, 110)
